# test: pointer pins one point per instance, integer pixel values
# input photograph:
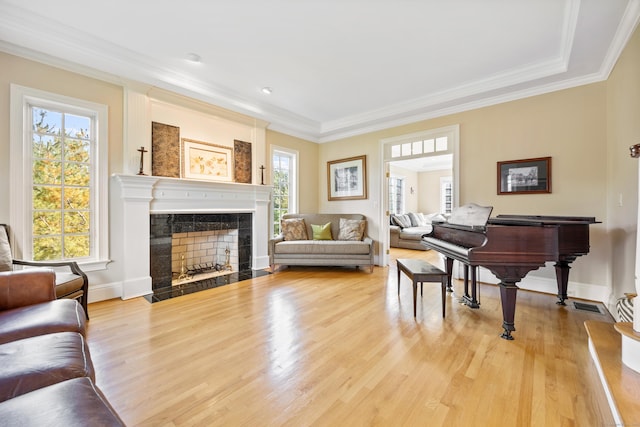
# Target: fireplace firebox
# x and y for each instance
(218, 243)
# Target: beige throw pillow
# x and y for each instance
(351, 229)
(294, 229)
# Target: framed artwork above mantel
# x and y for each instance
(202, 160)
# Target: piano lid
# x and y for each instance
(470, 215)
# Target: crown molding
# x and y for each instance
(27, 35)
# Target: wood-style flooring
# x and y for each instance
(312, 346)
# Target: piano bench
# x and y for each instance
(420, 271)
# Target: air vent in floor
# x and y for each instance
(586, 307)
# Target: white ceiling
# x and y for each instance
(337, 67)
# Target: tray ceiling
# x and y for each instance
(336, 68)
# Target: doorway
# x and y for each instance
(426, 162)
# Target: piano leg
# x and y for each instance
(562, 277)
(470, 300)
(508, 292)
(449, 270)
(466, 281)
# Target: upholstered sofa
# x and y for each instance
(340, 240)
(406, 231)
(46, 373)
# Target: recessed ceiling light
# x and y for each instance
(267, 90)
(193, 57)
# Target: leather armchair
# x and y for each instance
(28, 306)
(46, 373)
(71, 282)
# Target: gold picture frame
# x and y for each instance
(202, 160)
(347, 178)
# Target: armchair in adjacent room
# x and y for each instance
(71, 281)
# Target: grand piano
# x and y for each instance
(510, 246)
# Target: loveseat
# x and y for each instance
(406, 230)
(318, 239)
(46, 373)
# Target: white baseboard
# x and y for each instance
(104, 291)
(137, 287)
(261, 263)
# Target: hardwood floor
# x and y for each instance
(338, 346)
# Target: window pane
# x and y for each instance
(76, 246)
(47, 248)
(47, 172)
(77, 126)
(46, 122)
(417, 147)
(76, 150)
(76, 222)
(47, 222)
(406, 149)
(429, 146)
(441, 143)
(395, 151)
(47, 198)
(77, 198)
(77, 174)
(46, 147)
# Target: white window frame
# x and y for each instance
(21, 168)
(293, 183)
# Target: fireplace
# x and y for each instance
(146, 212)
(191, 252)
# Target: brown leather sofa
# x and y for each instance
(46, 373)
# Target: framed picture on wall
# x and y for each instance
(202, 160)
(527, 176)
(347, 178)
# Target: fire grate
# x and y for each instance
(586, 307)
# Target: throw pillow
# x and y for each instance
(351, 229)
(6, 261)
(321, 232)
(401, 222)
(407, 220)
(293, 229)
(417, 219)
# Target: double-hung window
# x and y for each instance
(58, 170)
(284, 180)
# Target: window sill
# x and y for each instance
(94, 265)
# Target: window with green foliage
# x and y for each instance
(61, 156)
(59, 174)
(284, 183)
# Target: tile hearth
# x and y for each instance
(167, 292)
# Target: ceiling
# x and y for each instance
(337, 68)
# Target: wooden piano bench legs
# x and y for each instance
(419, 271)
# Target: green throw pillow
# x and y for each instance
(321, 232)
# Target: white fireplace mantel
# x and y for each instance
(135, 197)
